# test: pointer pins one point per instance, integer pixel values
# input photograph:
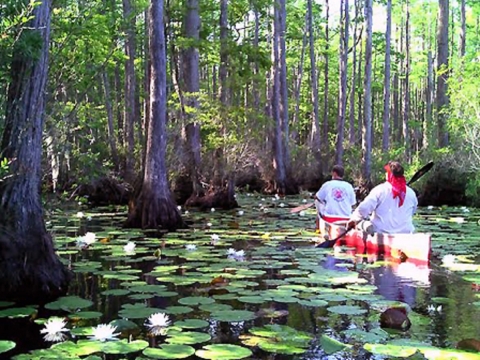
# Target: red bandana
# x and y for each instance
(399, 185)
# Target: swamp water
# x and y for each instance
(249, 284)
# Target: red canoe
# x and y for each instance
(414, 247)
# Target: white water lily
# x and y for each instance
(191, 247)
(277, 196)
(209, 224)
(301, 213)
(80, 214)
(54, 330)
(104, 332)
(430, 207)
(186, 212)
(240, 212)
(236, 255)
(89, 218)
(215, 237)
(231, 252)
(431, 308)
(130, 247)
(240, 253)
(86, 240)
(157, 323)
(304, 200)
(179, 207)
(282, 205)
(212, 210)
(458, 220)
(448, 259)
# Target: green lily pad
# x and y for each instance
(373, 336)
(115, 292)
(192, 323)
(6, 345)
(196, 300)
(17, 312)
(178, 310)
(6, 304)
(187, 337)
(123, 346)
(138, 312)
(215, 307)
(223, 352)
(347, 310)
(86, 315)
(169, 351)
(69, 303)
(233, 315)
(331, 346)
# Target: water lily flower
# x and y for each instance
(431, 308)
(89, 218)
(231, 252)
(212, 209)
(304, 200)
(240, 253)
(191, 247)
(186, 212)
(277, 196)
(86, 240)
(240, 212)
(157, 323)
(104, 332)
(282, 205)
(464, 208)
(209, 224)
(179, 207)
(263, 199)
(430, 207)
(301, 213)
(130, 247)
(214, 237)
(458, 220)
(80, 214)
(54, 330)
(448, 259)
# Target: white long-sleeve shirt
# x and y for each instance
(337, 198)
(386, 216)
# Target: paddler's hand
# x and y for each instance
(351, 224)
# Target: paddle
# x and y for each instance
(415, 177)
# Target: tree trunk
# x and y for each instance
(315, 140)
(282, 24)
(326, 84)
(111, 131)
(367, 126)
(442, 71)
(386, 86)
(351, 113)
(30, 271)
(406, 89)
(428, 100)
(298, 82)
(191, 82)
(154, 206)
(130, 88)
(463, 28)
(342, 93)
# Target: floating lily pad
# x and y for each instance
(196, 300)
(86, 315)
(124, 325)
(69, 303)
(115, 292)
(6, 345)
(233, 315)
(17, 312)
(347, 310)
(178, 310)
(6, 304)
(331, 346)
(123, 346)
(192, 323)
(187, 337)
(373, 336)
(169, 351)
(138, 312)
(252, 299)
(223, 352)
(215, 307)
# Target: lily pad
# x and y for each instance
(69, 303)
(192, 323)
(187, 337)
(178, 310)
(86, 315)
(223, 352)
(17, 312)
(233, 315)
(331, 346)
(169, 351)
(123, 346)
(6, 345)
(347, 310)
(196, 300)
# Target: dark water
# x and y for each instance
(440, 299)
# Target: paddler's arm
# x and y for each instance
(364, 209)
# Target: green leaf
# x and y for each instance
(123, 346)
(169, 351)
(187, 337)
(69, 303)
(330, 345)
(223, 352)
(233, 315)
(6, 345)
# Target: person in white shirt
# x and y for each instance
(390, 205)
(336, 198)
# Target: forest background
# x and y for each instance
(264, 95)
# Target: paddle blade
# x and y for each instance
(301, 208)
(421, 172)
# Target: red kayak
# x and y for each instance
(414, 247)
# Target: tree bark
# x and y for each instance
(110, 128)
(342, 93)
(130, 90)
(154, 206)
(386, 86)
(463, 28)
(315, 140)
(367, 126)
(406, 87)
(351, 113)
(326, 83)
(30, 271)
(442, 71)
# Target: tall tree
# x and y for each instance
(30, 271)
(130, 89)
(154, 206)
(463, 28)
(406, 85)
(367, 123)
(343, 87)
(192, 86)
(325, 79)
(442, 71)
(386, 85)
(315, 139)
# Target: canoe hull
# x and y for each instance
(416, 247)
